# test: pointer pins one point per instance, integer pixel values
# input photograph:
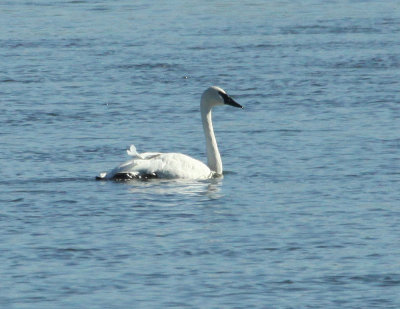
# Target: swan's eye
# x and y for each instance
(224, 96)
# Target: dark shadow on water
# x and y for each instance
(227, 173)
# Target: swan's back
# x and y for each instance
(160, 165)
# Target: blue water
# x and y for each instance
(307, 214)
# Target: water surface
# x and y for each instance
(307, 213)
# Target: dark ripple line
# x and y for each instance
(46, 43)
(68, 249)
(378, 279)
(24, 81)
(321, 29)
(13, 201)
(160, 65)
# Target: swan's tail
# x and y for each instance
(119, 173)
(132, 152)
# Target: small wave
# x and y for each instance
(100, 8)
(44, 181)
(13, 200)
(376, 279)
(8, 80)
(22, 81)
(376, 62)
(144, 66)
(324, 29)
(379, 279)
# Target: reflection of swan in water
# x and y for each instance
(177, 165)
(210, 188)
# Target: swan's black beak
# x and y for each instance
(232, 102)
(229, 101)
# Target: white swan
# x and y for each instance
(177, 165)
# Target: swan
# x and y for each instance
(177, 165)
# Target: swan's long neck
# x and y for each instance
(214, 161)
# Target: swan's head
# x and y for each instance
(214, 96)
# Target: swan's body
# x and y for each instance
(161, 165)
(177, 165)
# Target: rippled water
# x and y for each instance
(307, 214)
